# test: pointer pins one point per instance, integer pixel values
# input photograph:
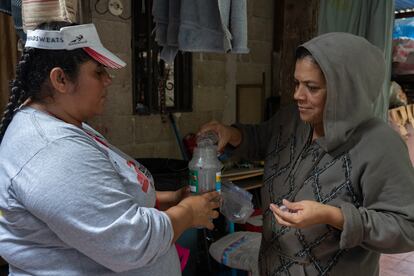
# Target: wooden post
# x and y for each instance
(295, 21)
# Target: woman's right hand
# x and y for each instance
(226, 134)
(201, 209)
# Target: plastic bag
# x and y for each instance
(236, 203)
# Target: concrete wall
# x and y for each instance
(214, 84)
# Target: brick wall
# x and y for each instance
(214, 84)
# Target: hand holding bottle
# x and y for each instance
(193, 211)
(226, 134)
(202, 209)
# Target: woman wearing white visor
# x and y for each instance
(72, 204)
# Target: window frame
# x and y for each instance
(148, 69)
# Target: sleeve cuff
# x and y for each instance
(353, 231)
(169, 231)
(242, 148)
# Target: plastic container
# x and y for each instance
(204, 167)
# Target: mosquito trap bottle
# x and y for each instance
(204, 167)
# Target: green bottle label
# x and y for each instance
(193, 180)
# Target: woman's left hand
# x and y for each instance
(306, 213)
(167, 199)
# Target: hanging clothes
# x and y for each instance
(8, 49)
(35, 12)
(14, 8)
(200, 26)
(372, 19)
(5, 7)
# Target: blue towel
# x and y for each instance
(166, 29)
(160, 13)
(239, 26)
(200, 26)
(170, 51)
(224, 7)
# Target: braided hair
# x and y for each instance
(32, 73)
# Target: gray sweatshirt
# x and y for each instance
(73, 205)
(361, 166)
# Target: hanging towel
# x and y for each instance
(224, 7)
(160, 13)
(239, 26)
(35, 12)
(200, 26)
(166, 15)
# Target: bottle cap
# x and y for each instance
(206, 139)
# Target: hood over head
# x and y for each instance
(354, 70)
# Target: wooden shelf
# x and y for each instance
(247, 179)
(250, 183)
(239, 174)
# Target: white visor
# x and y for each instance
(73, 37)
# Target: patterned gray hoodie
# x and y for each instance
(360, 165)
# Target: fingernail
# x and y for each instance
(283, 208)
(286, 202)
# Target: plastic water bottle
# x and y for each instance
(204, 167)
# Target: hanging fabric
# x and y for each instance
(35, 12)
(8, 61)
(5, 7)
(372, 19)
(200, 26)
(14, 8)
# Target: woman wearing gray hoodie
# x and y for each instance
(338, 183)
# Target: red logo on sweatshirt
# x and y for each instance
(142, 179)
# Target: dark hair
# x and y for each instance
(32, 73)
(302, 53)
